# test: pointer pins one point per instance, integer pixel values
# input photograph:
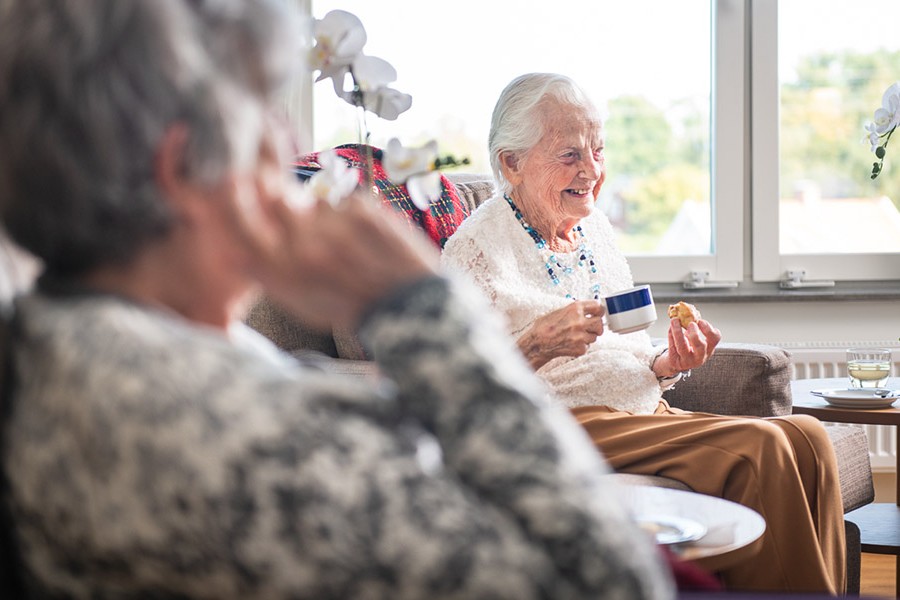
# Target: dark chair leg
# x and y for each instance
(854, 558)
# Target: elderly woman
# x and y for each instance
(154, 447)
(545, 256)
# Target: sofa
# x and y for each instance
(739, 379)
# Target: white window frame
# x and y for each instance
(768, 262)
(726, 165)
(298, 105)
(728, 143)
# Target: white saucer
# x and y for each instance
(671, 530)
(859, 397)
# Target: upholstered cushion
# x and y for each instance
(739, 379)
(286, 332)
(348, 345)
(852, 449)
(363, 369)
(473, 189)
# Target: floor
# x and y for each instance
(878, 571)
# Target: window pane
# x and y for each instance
(646, 64)
(832, 76)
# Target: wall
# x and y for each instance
(842, 322)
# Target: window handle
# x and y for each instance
(797, 279)
(698, 281)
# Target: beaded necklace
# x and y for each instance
(553, 264)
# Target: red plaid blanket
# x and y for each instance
(439, 221)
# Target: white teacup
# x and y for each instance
(630, 310)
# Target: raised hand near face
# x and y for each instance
(567, 331)
(325, 264)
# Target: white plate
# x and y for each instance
(858, 397)
(874, 403)
(671, 530)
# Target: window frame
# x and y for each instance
(727, 142)
(744, 164)
(769, 264)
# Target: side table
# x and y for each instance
(879, 523)
(734, 532)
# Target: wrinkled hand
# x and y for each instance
(322, 263)
(689, 347)
(567, 331)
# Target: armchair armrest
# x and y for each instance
(738, 379)
(287, 332)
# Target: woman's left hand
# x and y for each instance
(689, 347)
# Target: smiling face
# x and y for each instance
(555, 184)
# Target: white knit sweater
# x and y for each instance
(496, 252)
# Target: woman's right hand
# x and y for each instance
(334, 262)
(567, 331)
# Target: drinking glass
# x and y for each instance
(868, 367)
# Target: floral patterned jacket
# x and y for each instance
(151, 457)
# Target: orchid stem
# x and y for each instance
(366, 147)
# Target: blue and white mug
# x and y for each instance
(630, 310)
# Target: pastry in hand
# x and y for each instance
(684, 312)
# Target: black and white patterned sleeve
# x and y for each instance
(140, 473)
(526, 462)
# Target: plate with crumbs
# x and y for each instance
(670, 529)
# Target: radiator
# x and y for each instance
(828, 359)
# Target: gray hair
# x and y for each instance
(89, 87)
(515, 123)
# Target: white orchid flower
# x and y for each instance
(416, 168)
(424, 189)
(873, 138)
(883, 120)
(891, 97)
(888, 116)
(335, 180)
(401, 162)
(371, 72)
(301, 196)
(340, 37)
(371, 76)
(387, 103)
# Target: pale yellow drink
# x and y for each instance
(868, 372)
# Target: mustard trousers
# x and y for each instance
(782, 467)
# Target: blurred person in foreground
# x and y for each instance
(156, 447)
(545, 256)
